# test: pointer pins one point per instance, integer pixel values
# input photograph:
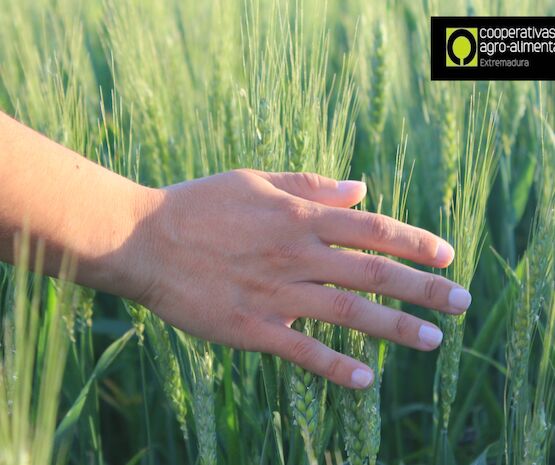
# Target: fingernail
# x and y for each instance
(348, 187)
(361, 378)
(445, 253)
(430, 335)
(459, 298)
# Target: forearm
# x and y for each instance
(70, 202)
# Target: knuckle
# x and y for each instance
(402, 325)
(431, 289)
(285, 251)
(379, 227)
(421, 245)
(344, 306)
(375, 270)
(241, 324)
(241, 173)
(425, 246)
(295, 210)
(309, 180)
(332, 370)
(302, 352)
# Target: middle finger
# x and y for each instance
(381, 275)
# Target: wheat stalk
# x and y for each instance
(379, 79)
(360, 409)
(31, 381)
(465, 228)
(168, 368)
(528, 419)
(201, 360)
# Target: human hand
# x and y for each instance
(235, 258)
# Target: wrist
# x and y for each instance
(125, 268)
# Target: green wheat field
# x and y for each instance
(162, 91)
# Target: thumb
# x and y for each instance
(311, 186)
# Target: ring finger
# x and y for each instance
(348, 309)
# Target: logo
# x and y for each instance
(501, 48)
(461, 46)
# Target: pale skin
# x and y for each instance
(233, 258)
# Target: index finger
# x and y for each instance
(373, 231)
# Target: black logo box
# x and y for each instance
(542, 65)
